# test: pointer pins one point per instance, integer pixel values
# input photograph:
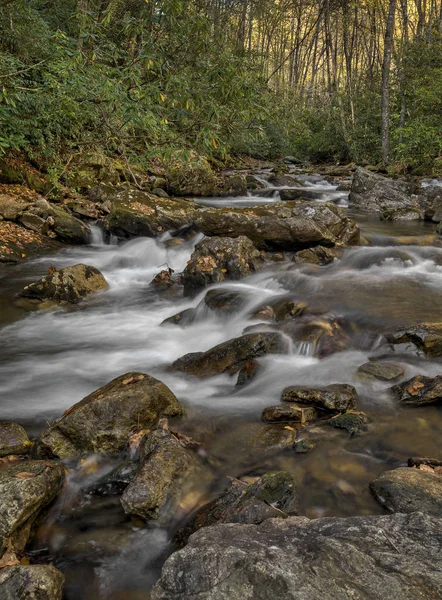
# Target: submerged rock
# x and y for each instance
(315, 256)
(291, 226)
(218, 259)
(338, 397)
(13, 439)
(103, 422)
(406, 490)
(353, 422)
(25, 488)
(290, 413)
(369, 557)
(71, 284)
(183, 318)
(384, 371)
(168, 474)
(230, 356)
(34, 582)
(425, 338)
(272, 496)
(419, 391)
(373, 192)
(225, 301)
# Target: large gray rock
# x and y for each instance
(103, 422)
(35, 582)
(71, 284)
(373, 192)
(394, 557)
(289, 226)
(13, 439)
(408, 490)
(25, 488)
(217, 259)
(168, 474)
(229, 357)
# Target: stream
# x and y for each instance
(52, 358)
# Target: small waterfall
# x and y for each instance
(97, 237)
(303, 349)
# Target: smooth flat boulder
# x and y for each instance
(289, 226)
(419, 391)
(11, 208)
(13, 439)
(374, 192)
(406, 490)
(290, 413)
(136, 213)
(71, 284)
(25, 488)
(365, 558)
(424, 338)
(217, 259)
(34, 582)
(338, 397)
(382, 371)
(103, 422)
(230, 356)
(272, 496)
(61, 223)
(168, 474)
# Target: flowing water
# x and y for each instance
(50, 359)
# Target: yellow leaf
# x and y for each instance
(162, 97)
(289, 428)
(214, 144)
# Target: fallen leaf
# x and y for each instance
(25, 475)
(9, 558)
(415, 388)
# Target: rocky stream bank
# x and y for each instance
(220, 386)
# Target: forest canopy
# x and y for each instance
(149, 78)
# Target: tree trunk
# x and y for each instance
(388, 44)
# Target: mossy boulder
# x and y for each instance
(136, 213)
(13, 439)
(406, 490)
(61, 223)
(419, 391)
(229, 357)
(338, 397)
(289, 226)
(191, 178)
(103, 422)
(25, 488)
(90, 169)
(168, 473)
(71, 284)
(233, 185)
(33, 582)
(352, 422)
(217, 259)
(272, 496)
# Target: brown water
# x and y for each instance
(51, 359)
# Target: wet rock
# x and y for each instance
(338, 397)
(103, 422)
(432, 203)
(352, 422)
(384, 371)
(419, 391)
(230, 356)
(407, 490)
(290, 226)
(248, 372)
(272, 496)
(163, 280)
(303, 446)
(13, 439)
(290, 413)
(71, 284)
(11, 208)
(402, 214)
(367, 557)
(25, 488)
(374, 192)
(168, 473)
(424, 338)
(264, 313)
(282, 180)
(136, 213)
(301, 193)
(226, 301)
(315, 256)
(116, 481)
(254, 182)
(183, 318)
(218, 259)
(34, 582)
(319, 336)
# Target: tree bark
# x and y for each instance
(385, 112)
